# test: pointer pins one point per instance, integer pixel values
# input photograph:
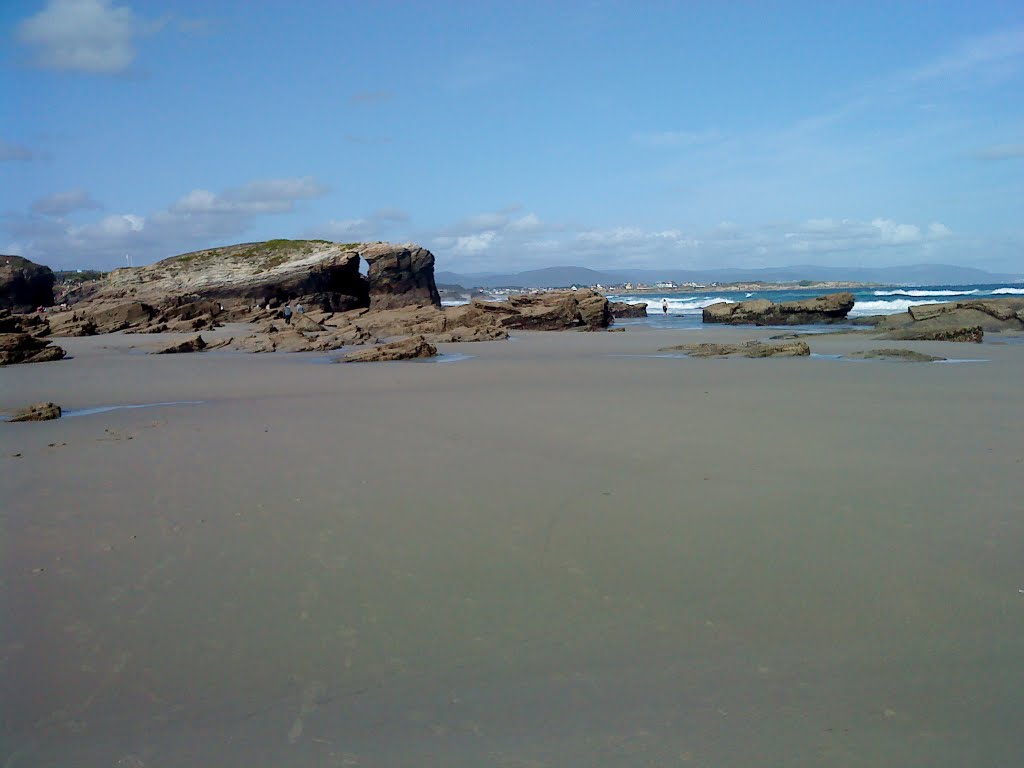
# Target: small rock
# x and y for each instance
(37, 412)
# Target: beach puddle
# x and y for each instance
(662, 356)
(451, 357)
(73, 412)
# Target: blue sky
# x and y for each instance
(507, 136)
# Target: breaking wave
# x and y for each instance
(1009, 291)
(884, 307)
(916, 292)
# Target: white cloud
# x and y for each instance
(473, 244)
(892, 233)
(63, 203)
(937, 229)
(11, 152)
(529, 223)
(84, 35)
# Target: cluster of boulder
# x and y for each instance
(951, 321)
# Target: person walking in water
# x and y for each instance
(664, 306)
(287, 314)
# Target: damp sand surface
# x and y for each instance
(562, 552)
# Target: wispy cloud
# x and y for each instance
(195, 219)
(976, 55)
(369, 98)
(674, 138)
(354, 138)
(15, 152)
(1001, 152)
(62, 203)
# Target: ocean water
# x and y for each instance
(684, 309)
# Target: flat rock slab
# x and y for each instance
(905, 355)
(748, 349)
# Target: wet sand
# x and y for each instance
(559, 552)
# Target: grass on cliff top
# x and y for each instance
(263, 256)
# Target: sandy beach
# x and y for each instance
(564, 550)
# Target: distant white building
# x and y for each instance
(665, 284)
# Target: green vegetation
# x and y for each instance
(78, 276)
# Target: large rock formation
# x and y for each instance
(24, 284)
(400, 276)
(832, 308)
(274, 271)
(624, 309)
(551, 311)
(25, 348)
(952, 318)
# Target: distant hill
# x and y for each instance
(559, 277)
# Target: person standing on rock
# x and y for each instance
(664, 306)
(287, 314)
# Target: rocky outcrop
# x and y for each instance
(902, 355)
(748, 349)
(24, 284)
(406, 349)
(24, 348)
(26, 323)
(832, 308)
(400, 276)
(37, 412)
(972, 334)
(550, 311)
(624, 309)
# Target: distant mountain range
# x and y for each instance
(562, 277)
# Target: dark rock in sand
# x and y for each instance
(400, 276)
(195, 344)
(624, 309)
(18, 348)
(37, 412)
(974, 334)
(748, 349)
(906, 355)
(406, 349)
(832, 308)
(553, 311)
(25, 284)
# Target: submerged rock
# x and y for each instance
(973, 334)
(37, 412)
(748, 349)
(406, 349)
(832, 308)
(906, 355)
